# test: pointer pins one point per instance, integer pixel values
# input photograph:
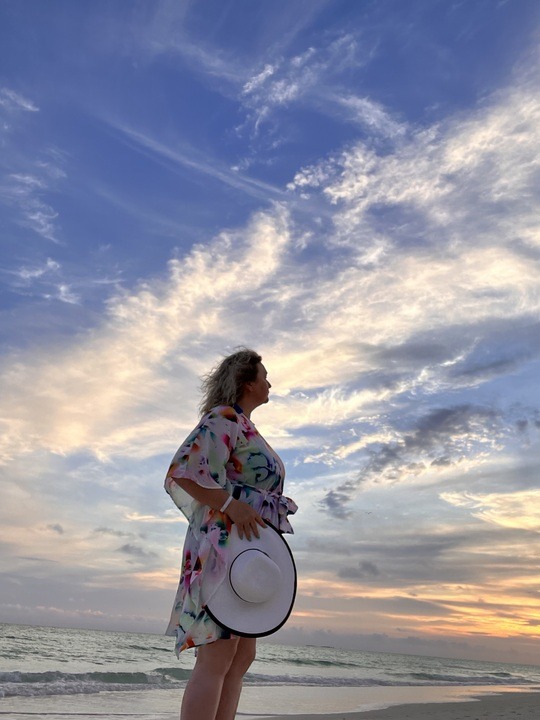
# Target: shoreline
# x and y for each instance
(405, 703)
(307, 703)
(499, 704)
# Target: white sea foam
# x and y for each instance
(49, 662)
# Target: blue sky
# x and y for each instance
(351, 188)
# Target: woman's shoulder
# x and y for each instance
(222, 412)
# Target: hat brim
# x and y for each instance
(248, 619)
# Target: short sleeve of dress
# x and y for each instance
(203, 456)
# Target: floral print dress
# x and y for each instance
(226, 451)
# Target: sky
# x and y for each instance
(350, 187)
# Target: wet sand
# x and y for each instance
(507, 706)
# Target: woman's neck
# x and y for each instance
(245, 407)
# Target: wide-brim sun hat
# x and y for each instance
(257, 595)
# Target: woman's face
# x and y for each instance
(260, 386)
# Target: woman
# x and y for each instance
(224, 455)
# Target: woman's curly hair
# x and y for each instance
(224, 384)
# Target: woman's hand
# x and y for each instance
(243, 515)
(246, 519)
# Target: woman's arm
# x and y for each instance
(243, 515)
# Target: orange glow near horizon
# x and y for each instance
(497, 611)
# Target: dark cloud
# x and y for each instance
(441, 437)
(411, 353)
(410, 606)
(56, 528)
(390, 555)
(528, 251)
(110, 531)
(336, 502)
(395, 364)
(423, 547)
(500, 347)
(460, 355)
(363, 571)
(487, 370)
(31, 558)
(136, 551)
(443, 423)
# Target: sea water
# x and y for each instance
(54, 673)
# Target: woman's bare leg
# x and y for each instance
(232, 685)
(203, 691)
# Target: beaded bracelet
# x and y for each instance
(226, 504)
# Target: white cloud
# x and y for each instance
(466, 171)
(519, 510)
(29, 274)
(323, 324)
(258, 79)
(12, 101)
(26, 191)
(370, 114)
(162, 327)
(27, 182)
(302, 78)
(65, 294)
(365, 321)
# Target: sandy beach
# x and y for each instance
(506, 706)
(320, 703)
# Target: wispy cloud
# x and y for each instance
(508, 509)
(25, 192)
(182, 158)
(64, 293)
(28, 189)
(392, 293)
(369, 114)
(46, 281)
(167, 30)
(28, 274)
(310, 78)
(24, 188)
(425, 308)
(13, 102)
(164, 30)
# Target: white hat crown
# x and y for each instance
(254, 576)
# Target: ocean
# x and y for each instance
(58, 674)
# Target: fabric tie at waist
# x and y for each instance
(270, 504)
